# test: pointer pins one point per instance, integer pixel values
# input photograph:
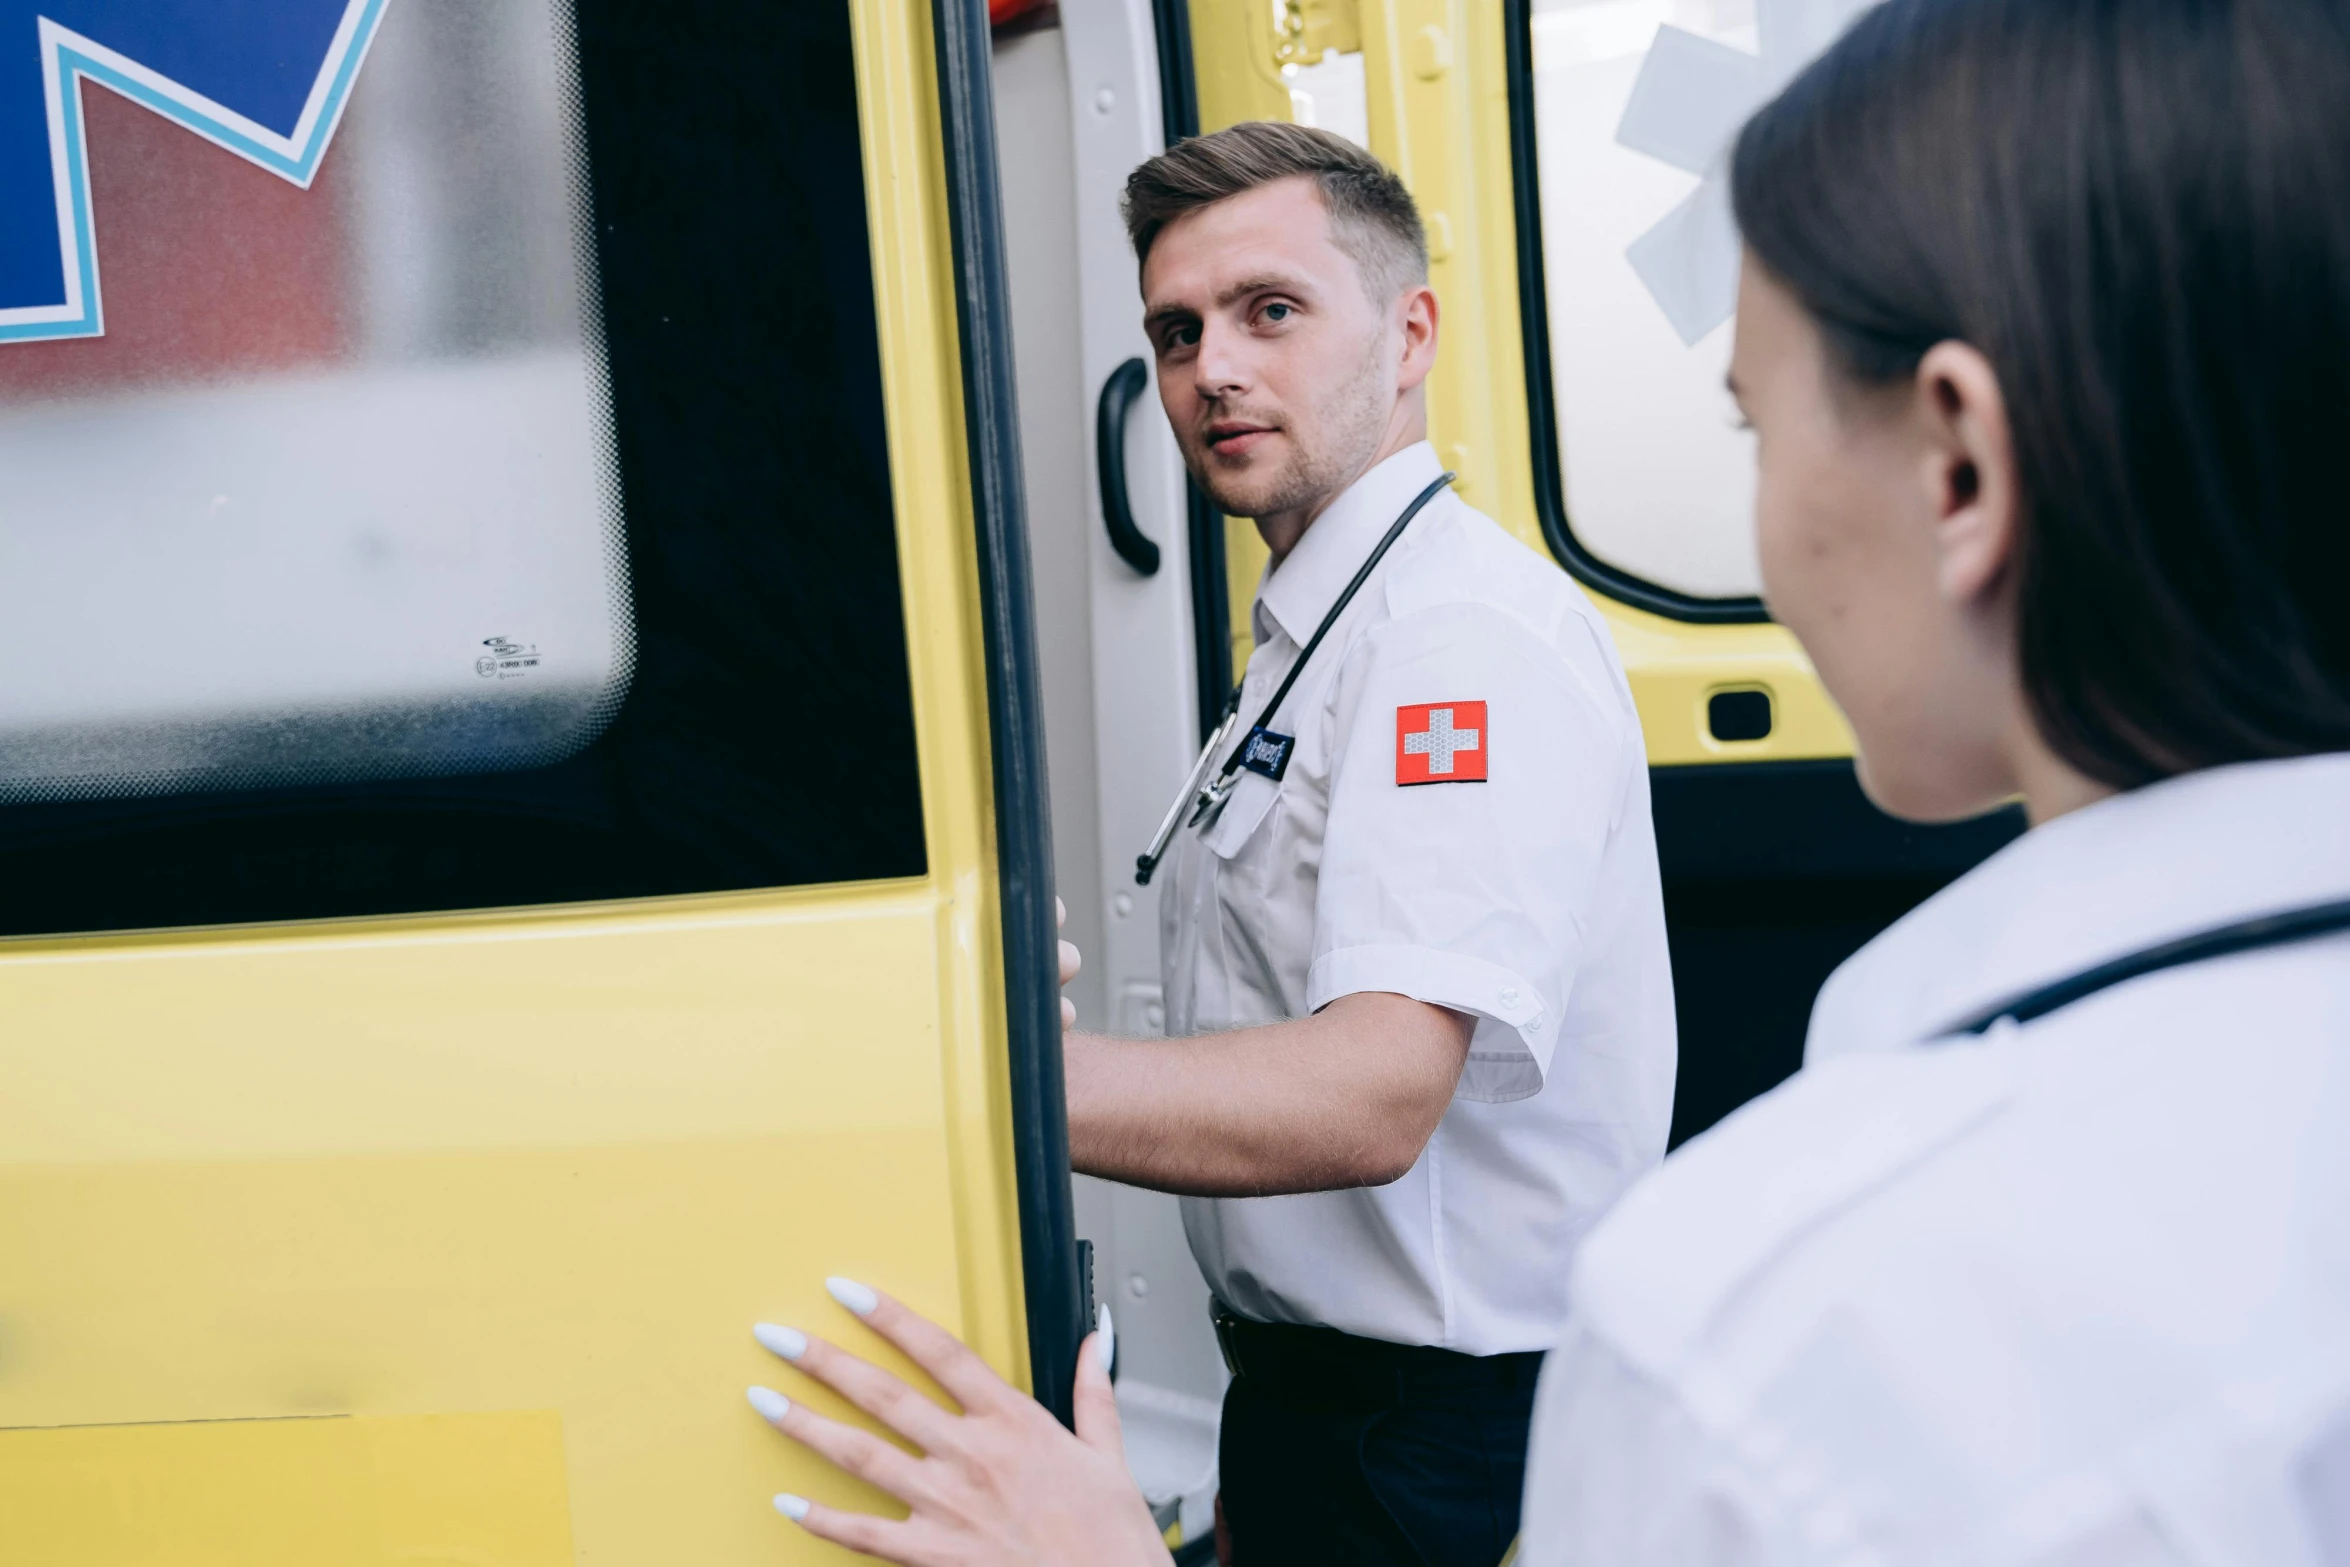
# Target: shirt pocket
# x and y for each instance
(1245, 810)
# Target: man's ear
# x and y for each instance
(1416, 317)
(1968, 470)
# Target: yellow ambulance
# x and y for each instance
(575, 577)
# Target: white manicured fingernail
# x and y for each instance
(853, 1295)
(773, 1406)
(790, 1343)
(793, 1507)
(1107, 1344)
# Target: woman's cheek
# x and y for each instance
(1779, 553)
(1806, 574)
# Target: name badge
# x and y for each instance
(1267, 753)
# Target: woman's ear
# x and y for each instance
(1969, 470)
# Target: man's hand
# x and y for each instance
(1071, 961)
(999, 1485)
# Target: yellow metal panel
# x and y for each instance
(613, 1283)
(1232, 43)
(481, 1490)
(1436, 80)
(1423, 119)
(913, 264)
(542, 1159)
(1674, 667)
(1245, 556)
(661, 1021)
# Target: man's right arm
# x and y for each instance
(1345, 1098)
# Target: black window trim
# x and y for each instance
(1211, 620)
(1052, 1278)
(1550, 500)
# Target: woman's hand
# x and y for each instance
(997, 1485)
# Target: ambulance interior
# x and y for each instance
(1775, 870)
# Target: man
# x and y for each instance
(1420, 1017)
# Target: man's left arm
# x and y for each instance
(1481, 777)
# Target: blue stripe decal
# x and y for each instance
(262, 60)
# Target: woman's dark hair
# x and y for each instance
(2139, 212)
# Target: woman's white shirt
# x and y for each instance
(2076, 1294)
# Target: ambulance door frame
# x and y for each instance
(1149, 679)
(1054, 1286)
(1144, 675)
(1211, 625)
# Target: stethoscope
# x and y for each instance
(1262, 751)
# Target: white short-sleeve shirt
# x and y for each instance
(2072, 1294)
(1463, 820)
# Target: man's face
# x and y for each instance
(1279, 373)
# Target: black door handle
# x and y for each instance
(1109, 439)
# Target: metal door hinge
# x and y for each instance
(1306, 30)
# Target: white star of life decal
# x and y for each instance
(1439, 741)
(1691, 97)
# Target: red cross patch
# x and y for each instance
(1441, 742)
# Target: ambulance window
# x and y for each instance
(1634, 104)
(445, 463)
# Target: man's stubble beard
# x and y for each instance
(1322, 469)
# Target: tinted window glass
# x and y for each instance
(501, 518)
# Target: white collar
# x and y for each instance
(1297, 593)
(2117, 877)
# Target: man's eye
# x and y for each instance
(1183, 337)
(1277, 312)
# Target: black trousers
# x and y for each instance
(1355, 1453)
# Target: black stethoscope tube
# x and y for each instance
(1204, 798)
(2284, 928)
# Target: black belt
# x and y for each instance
(1325, 1366)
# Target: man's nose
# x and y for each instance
(1221, 367)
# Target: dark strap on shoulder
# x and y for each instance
(2269, 930)
(1363, 575)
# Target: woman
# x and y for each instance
(2045, 334)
